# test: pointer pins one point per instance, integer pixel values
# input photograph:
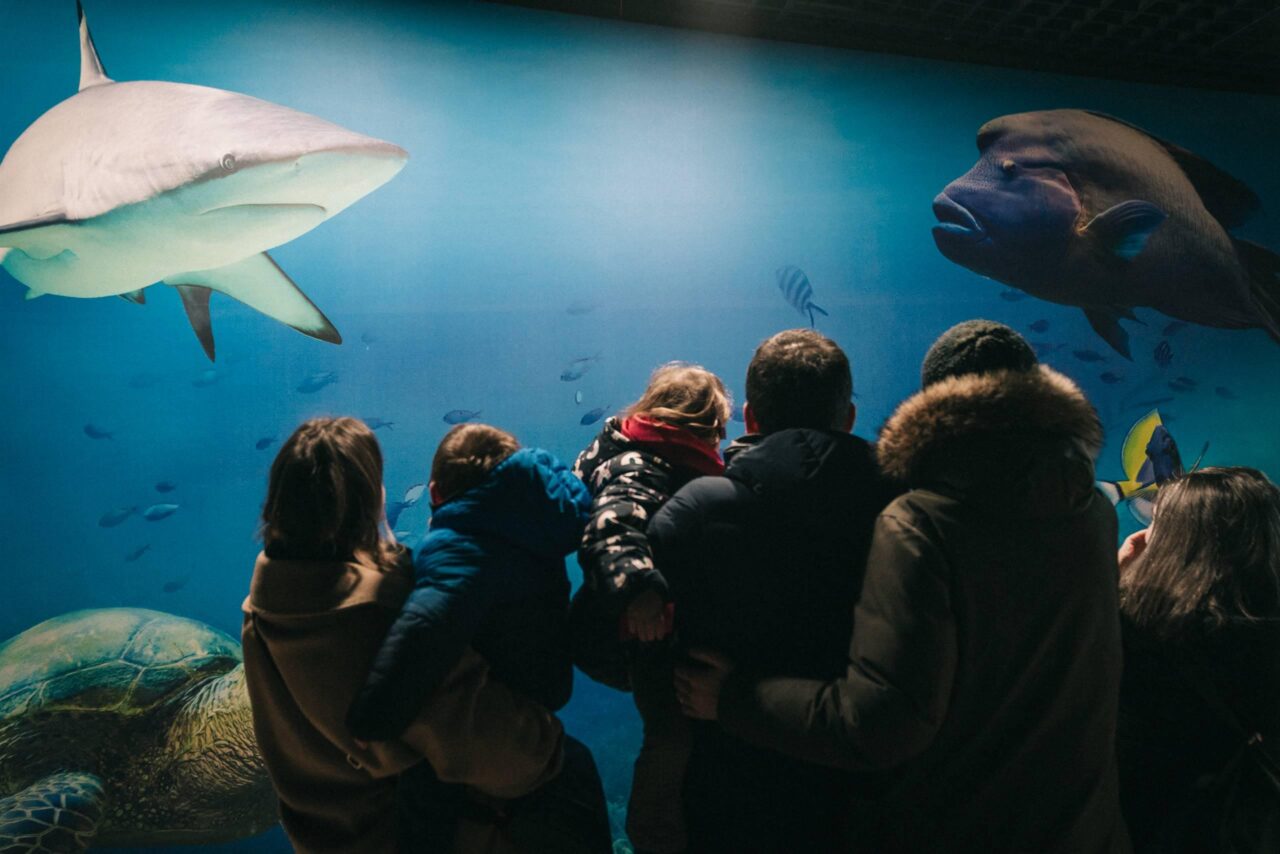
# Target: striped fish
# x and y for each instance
(795, 286)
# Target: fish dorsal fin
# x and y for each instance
(1225, 196)
(91, 71)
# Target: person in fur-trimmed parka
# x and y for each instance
(985, 659)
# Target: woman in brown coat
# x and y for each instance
(324, 592)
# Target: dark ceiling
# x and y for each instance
(1217, 44)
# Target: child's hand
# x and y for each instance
(1133, 547)
(646, 617)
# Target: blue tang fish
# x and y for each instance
(1083, 209)
(1150, 458)
(795, 286)
(460, 416)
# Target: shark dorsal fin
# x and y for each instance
(91, 71)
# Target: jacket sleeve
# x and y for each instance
(616, 557)
(893, 697)
(477, 732)
(451, 595)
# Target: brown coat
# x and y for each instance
(310, 630)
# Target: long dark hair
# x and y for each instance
(324, 493)
(1213, 555)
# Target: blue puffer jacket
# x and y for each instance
(491, 575)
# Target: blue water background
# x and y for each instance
(650, 180)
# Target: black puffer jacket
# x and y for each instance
(628, 484)
(764, 564)
(985, 662)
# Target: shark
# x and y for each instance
(129, 184)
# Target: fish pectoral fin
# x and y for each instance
(138, 297)
(195, 299)
(259, 283)
(32, 293)
(1125, 228)
(1106, 322)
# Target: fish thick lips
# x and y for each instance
(954, 218)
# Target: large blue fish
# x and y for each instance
(1084, 209)
(795, 286)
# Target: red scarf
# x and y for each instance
(674, 444)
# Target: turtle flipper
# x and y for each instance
(55, 814)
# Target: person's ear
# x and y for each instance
(434, 492)
(851, 418)
(749, 417)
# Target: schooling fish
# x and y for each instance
(166, 486)
(460, 416)
(795, 286)
(378, 423)
(1012, 296)
(156, 512)
(1163, 354)
(137, 553)
(1084, 209)
(317, 381)
(1111, 378)
(264, 443)
(96, 432)
(594, 415)
(175, 585)
(578, 368)
(1039, 326)
(114, 517)
(1088, 355)
(1151, 404)
(577, 396)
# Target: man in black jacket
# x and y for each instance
(985, 660)
(765, 563)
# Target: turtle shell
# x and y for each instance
(119, 660)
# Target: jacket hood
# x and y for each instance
(531, 499)
(288, 588)
(810, 473)
(1027, 438)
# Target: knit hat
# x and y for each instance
(976, 347)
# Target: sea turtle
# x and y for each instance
(123, 726)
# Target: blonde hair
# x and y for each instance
(466, 455)
(687, 396)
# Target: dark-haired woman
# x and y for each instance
(328, 584)
(1200, 603)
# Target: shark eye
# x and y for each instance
(1008, 166)
(228, 162)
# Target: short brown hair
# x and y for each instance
(324, 492)
(687, 396)
(466, 455)
(799, 378)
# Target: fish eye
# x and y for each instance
(1008, 166)
(228, 162)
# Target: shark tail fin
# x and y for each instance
(92, 73)
(1263, 266)
(259, 283)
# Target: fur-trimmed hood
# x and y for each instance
(1022, 434)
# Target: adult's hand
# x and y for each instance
(698, 686)
(646, 617)
(1132, 548)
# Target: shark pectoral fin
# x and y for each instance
(259, 283)
(32, 293)
(1106, 322)
(1125, 228)
(138, 297)
(195, 299)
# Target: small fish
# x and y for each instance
(166, 486)
(317, 381)
(795, 286)
(1180, 384)
(735, 413)
(580, 307)
(96, 432)
(137, 553)
(175, 585)
(264, 443)
(577, 396)
(1039, 326)
(1088, 355)
(1174, 327)
(1111, 378)
(578, 368)
(114, 517)
(1152, 404)
(156, 512)
(1012, 296)
(1186, 381)
(413, 494)
(1163, 354)
(206, 379)
(460, 416)
(569, 375)
(593, 416)
(378, 423)
(1224, 392)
